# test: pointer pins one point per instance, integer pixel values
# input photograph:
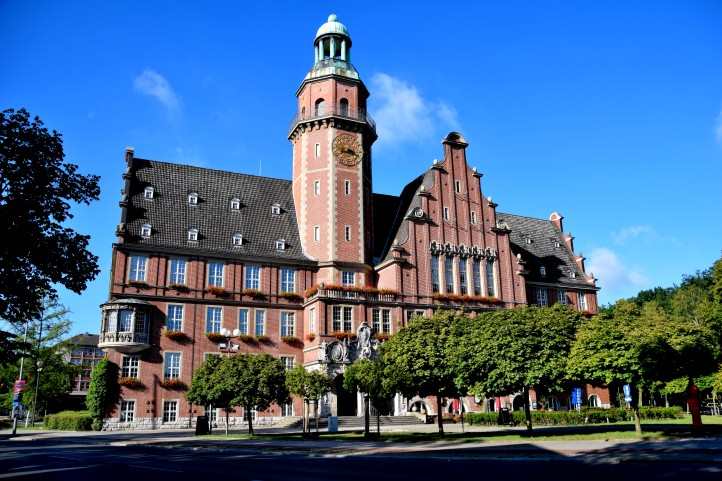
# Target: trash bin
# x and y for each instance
(202, 426)
(504, 418)
(333, 424)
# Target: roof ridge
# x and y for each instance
(524, 216)
(288, 181)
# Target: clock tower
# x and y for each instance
(331, 137)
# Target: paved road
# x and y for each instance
(97, 458)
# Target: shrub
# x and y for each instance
(97, 425)
(69, 421)
(584, 416)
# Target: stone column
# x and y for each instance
(343, 49)
(332, 51)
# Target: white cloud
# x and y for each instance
(402, 114)
(632, 232)
(153, 84)
(613, 275)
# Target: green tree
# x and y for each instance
(417, 360)
(257, 380)
(367, 376)
(309, 386)
(37, 188)
(103, 391)
(208, 387)
(514, 350)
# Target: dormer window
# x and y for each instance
(237, 240)
(543, 271)
(280, 245)
(572, 274)
(192, 235)
(529, 240)
(145, 231)
(193, 199)
(148, 193)
(276, 209)
(235, 204)
(557, 244)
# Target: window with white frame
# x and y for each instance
(137, 270)
(174, 317)
(476, 274)
(582, 299)
(542, 271)
(490, 284)
(446, 213)
(462, 276)
(237, 240)
(434, 273)
(193, 198)
(312, 320)
(317, 150)
(317, 187)
(449, 273)
(381, 320)
(170, 411)
(125, 320)
(287, 410)
(130, 367)
(280, 245)
(561, 296)
(342, 318)
(376, 320)
(260, 323)
(457, 186)
(213, 319)
(316, 233)
(177, 271)
(473, 217)
(215, 273)
(542, 298)
(347, 187)
(145, 230)
(192, 235)
(276, 209)
(148, 193)
(235, 204)
(288, 362)
(288, 279)
(347, 232)
(348, 278)
(127, 411)
(288, 323)
(243, 321)
(172, 365)
(253, 276)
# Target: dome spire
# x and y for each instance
(332, 41)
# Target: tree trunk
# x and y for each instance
(226, 421)
(249, 414)
(641, 396)
(694, 407)
(666, 401)
(315, 414)
(527, 409)
(367, 415)
(438, 414)
(378, 424)
(305, 416)
(635, 412)
(461, 410)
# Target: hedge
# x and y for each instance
(585, 416)
(69, 421)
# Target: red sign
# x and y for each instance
(19, 386)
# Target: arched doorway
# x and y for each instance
(517, 404)
(345, 400)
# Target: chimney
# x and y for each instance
(556, 219)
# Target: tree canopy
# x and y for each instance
(309, 386)
(37, 188)
(367, 376)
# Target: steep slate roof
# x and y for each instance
(171, 216)
(557, 261)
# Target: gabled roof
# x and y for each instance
(542, 251)
(170, 215)
(85, 339)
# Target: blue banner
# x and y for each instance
(627, 393)
(577, 396)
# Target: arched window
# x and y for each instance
(303, 112)
(343, 107)
(320, 107)
(594, 401)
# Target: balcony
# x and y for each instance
(125, 325)
(124, 341)
(329, 111)
(357, 294)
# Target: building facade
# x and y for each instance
(317, 270)
(82, 351)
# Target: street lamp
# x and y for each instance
(39, 365)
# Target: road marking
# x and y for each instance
(43, 471)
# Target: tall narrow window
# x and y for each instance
(174, 318)
(127, 411)
(376, 320)
(449, 274)
(446, 213)
(320, 108)
(316, 186)
(317, 151)
(137, 268)
(337, 318)
(348, 278)
(541, 297)
(312, 320)
(215, 274)
(130, 367)
(170, 411)
(343, 107)
(347, 319)
(140, 324)
(490, 284)
(125, 320)
(260, 322)
(347, 187)
(288, 279)
(172, 367)
(386, 320)
(243, 321)
(562, 296)
(213, 319)
(434, 273)
(473, 217)
(476, 272)
(457, 186)
(582, 301)
(347, 232)
(253, 276)
(288, 323)
(316, 233)
(462, 276)
(342, 318)
(178, 271)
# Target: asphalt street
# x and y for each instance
(102, 458)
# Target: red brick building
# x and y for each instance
(317, 270)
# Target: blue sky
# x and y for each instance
(609, 112)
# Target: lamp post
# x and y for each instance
(16, 408)
(227, 346)
(39, 367)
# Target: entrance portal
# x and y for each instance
(345, 400)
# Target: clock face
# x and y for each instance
(347, 149)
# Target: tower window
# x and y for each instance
(276, 209)
(316, 233)
(317, 150)
(490, 284)
(320, 107)
(235, 204)
(193, 198)
(192, 235)
(347, 232)
(347, 187)
(148, 193)
(343, 107)
(446, 213)
(237, 240)
(145, 231)
(317, 187)
(457, 186)
(473, 217)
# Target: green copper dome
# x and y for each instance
(332, 27)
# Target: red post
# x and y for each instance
(693, 402)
